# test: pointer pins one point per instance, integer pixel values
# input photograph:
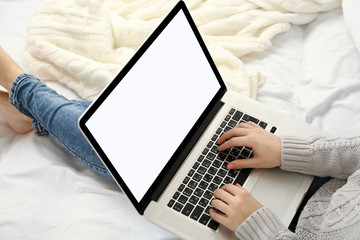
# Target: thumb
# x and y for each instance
(243, 163)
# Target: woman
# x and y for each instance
(331, 213)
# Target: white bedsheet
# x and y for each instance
(45, 193)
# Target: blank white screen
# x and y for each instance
(142, 122)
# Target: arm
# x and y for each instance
(335, 157)
(264, 224)
(243, 214)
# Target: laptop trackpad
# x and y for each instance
(276, 189)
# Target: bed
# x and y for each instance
(311, 71)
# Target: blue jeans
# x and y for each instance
(55, 115)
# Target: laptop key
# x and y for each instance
(214, 149)
(221, 156)
(210, 156)
(187, 209)
(171, 203)
(232, 173)
(186, 180)
(217, 180)
(200, 158)
(235, 152)
(203, 202)
(178, 207)
(196, 165)
(183, 199)
(207, 211)
(213, 225)
(197, 213)
(249, 118)
(212, 170)
(263, 124)
(230, 158)
(204, 219)
(216, 164)
(208, 177)
(192, 184)
(215, 137)
(197, 177)
(232, 123)
(205, 151)
(201, 170)
(245, 153)
(176, 195)
(228, 180)
(206, 163)
(203, 185)
(237, 115)
(188, 192)
(222, 173)
(208, 194)
(213, 187)
(198, 192)
(227, 128)
(194, 200)
(273, 129)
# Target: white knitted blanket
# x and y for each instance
(85, 43)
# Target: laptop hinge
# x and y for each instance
(182, 156)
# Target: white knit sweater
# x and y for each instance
(85, 43)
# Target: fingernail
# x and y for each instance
(230, 166)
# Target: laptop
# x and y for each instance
(155, 127)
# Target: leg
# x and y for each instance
(51, 113)
(54, 114)
(16, 121)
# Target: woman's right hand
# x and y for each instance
(266, 146)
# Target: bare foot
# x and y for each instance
(9, 70)
(17, 121)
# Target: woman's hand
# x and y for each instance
(266, 146)
(236, 204)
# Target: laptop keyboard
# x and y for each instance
(194, 195)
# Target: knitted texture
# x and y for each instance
(85, 43)
(320, 156)
(333, 212)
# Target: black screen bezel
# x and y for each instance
(185, 147)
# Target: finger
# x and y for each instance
(223, 195)
(245, 125)
(217, 217)
(253, 124)
(235, 132)
(220, 206)
(233, 142)
(244, 163)
(232, 189)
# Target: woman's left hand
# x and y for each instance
(236, 203)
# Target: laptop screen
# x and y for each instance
(142, 122)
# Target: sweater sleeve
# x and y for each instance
(263, 224)
(335, 157)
